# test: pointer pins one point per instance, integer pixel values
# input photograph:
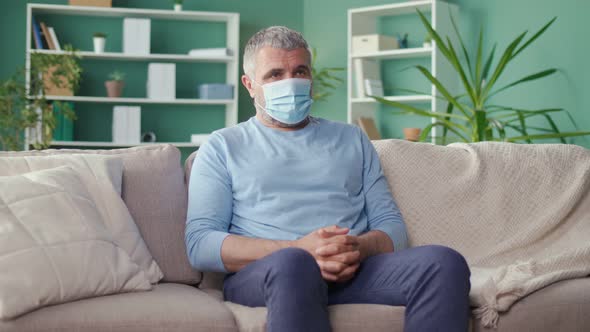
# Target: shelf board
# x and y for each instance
(401, 99)
(407, 7)
(132, 12)
(141, 100)
(139, 57)
(117, 145)
(419, 52)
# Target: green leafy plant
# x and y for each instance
(324, 79)
(117, 76)
(100, 35)
(471, 116)
(23, 107)
(178, 2)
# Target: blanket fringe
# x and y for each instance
(488, 315)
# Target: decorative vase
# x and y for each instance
(99, 43)
(412, 134)
(177, 7)
(114, 88)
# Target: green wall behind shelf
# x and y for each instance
(324, 23)
(170, 122)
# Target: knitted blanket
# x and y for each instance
(520, 214)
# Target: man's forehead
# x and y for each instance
(270, 57)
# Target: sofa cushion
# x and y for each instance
(168, 307)
(102, 176)
(53, 236)
(156, 196)
(343, 317)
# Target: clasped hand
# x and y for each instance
(337, 253)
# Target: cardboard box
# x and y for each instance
(92, 3)
(51, 89)
(373, 43)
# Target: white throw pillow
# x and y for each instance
(102, 175)
(54, 246)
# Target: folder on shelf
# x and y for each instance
(126, 124)
(161, 82)
(54, 38)
(136, 35)
(210, 52)
(365, 69)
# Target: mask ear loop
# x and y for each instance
(254, 98)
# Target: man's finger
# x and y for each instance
(347, 273)
(331, 266)
(331, 231)
(335, 249)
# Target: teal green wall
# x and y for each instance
(564, 46)
(324, 23)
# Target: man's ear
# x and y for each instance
(247, 82)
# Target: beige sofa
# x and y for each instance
(155, 191)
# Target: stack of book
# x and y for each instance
(136, 36)
(126, 124)
(161, 83)
(45, 37)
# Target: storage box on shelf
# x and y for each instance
(363, 22)
(229, 61)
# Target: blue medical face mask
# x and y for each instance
(287, 101)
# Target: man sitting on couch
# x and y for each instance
(296, 209)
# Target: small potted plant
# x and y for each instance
(116, 84)
(178, 5)
(99, 40)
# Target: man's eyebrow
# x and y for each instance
(303, 67)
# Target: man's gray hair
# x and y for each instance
(275, 37)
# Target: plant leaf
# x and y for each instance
(458, 34)
(528, 78)
(535, 36)
(548, 136)
(488, 65)
(504, 60)
(442, 90)
(428, 129)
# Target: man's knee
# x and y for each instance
(449, 260)
(294, 261)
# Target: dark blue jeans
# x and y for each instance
(431, 281)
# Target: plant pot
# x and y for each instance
(114, 88)
(99, 43)
(177, 7)
(51, 89)
(412, 134)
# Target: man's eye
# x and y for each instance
(275, 75)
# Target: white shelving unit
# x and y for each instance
(363, 21)
(232, 21)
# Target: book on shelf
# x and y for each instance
(210, 52)
(37, 35)
(369, 127)
(54, 38)
(126, 124)
(161, 82)
(365, 69)
(373, 87)
(136, 36)
(64, 127)
(46, 36)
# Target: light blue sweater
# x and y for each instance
(260, 182)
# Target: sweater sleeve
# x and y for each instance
(381, 210)
(209, 206)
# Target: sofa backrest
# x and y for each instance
(155, 193)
